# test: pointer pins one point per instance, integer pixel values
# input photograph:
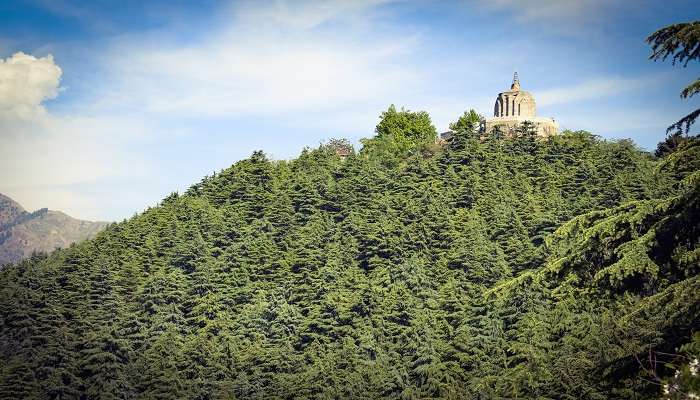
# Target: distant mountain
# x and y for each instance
(22, 232)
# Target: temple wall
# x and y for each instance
(545, 127)
(514, 104)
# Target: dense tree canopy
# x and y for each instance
(487, 268)
(467, 122)
(399, 133)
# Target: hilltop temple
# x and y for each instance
(514, 107)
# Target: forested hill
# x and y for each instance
(564, 268)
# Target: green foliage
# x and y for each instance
(465, 128)
(400, 132)
(686, 379)
(678, 40)
(682, 41)
(488, 268)
(671, 143)
(467, 122)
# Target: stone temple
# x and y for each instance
(514, 107)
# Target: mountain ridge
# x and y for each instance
(23, 233)
(10, 210)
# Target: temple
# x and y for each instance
(514, 107)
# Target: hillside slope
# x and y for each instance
(502, 268)
(23, 233)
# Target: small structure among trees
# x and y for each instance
(341, 147)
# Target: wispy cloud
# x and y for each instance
(303, 15)
(550, 10)
(46, 159)
(270, 61)
(562, 17)
(592, 89)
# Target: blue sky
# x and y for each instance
(108, 106)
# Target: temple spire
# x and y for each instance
(516, 82)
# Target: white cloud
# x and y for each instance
(592, 89)
(25, 82)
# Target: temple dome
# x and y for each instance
(513, 108)
(515, 102)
